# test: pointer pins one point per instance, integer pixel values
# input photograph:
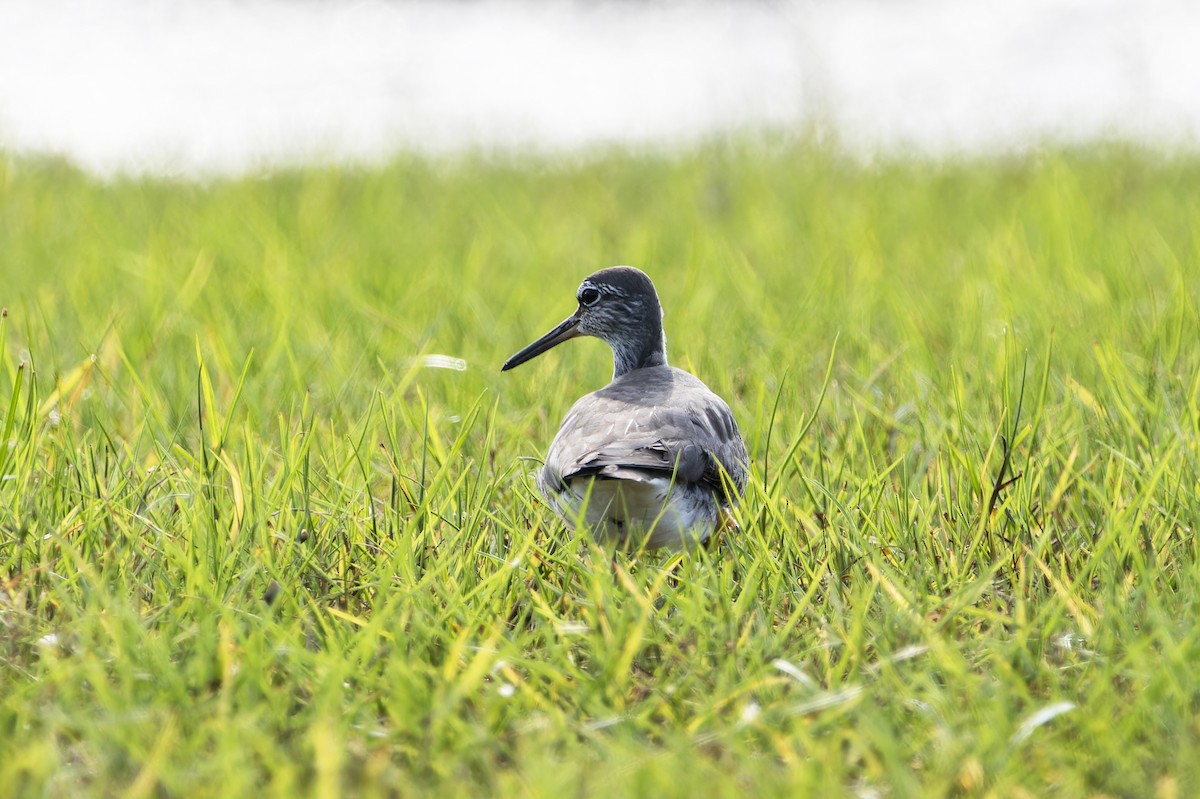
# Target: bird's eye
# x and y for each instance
(589, 296)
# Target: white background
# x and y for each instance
(202, 86)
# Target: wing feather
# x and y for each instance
(658, 420)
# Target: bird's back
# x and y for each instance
(659, 427)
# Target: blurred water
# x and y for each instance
(226, 85)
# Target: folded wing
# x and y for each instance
(662, 422)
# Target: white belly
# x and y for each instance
(632, 513)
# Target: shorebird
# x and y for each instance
(654, 458)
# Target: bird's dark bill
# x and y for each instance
(567, 329)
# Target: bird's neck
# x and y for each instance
(639, 354)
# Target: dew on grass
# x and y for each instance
(910, 652)
(795, 672)
(571, 628)
(1073, 643)
(1040, 718)
(444, 362)
(827, 700)
(603, 724)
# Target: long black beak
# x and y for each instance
(567, 329)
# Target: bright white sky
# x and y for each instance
(201, 86)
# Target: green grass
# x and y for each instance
(967, 563)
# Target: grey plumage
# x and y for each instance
(653, 457)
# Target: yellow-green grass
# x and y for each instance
(251, 543)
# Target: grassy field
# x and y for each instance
(253, 540)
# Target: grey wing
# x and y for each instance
(603, 437)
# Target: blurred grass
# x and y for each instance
(250, 542)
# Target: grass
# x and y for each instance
(251, 542)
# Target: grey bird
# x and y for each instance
(654, 458)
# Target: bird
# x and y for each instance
(655, 458)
